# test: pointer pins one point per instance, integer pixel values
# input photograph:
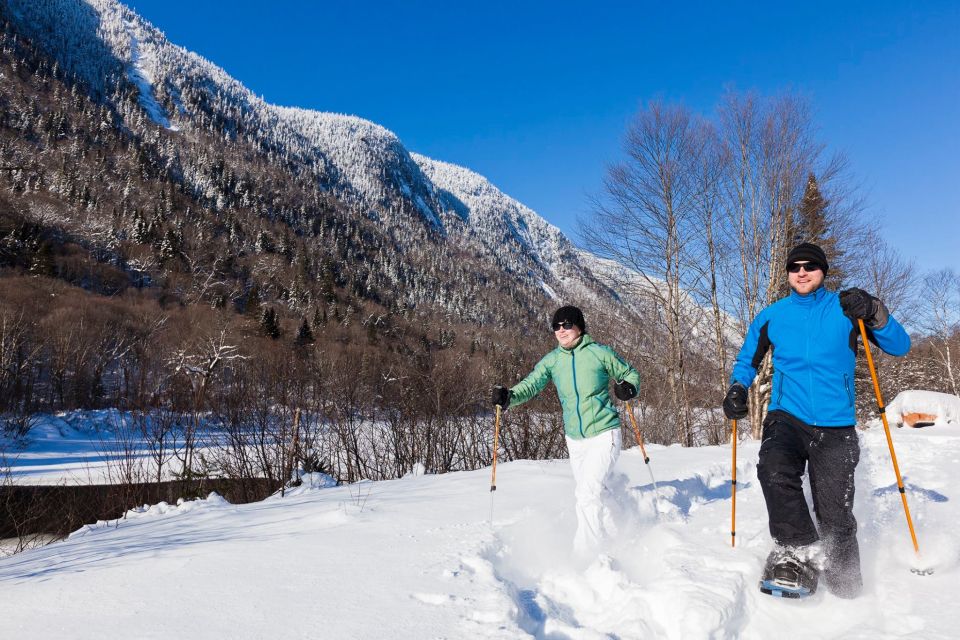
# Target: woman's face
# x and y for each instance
(567, 337)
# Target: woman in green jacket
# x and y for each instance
(581, 370)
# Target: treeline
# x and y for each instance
(372, 403)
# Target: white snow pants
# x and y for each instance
(592, 460)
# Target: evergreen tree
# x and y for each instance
(140, 232)
(41, 263)
(269, 323)
(169, 246)
(304, 334)
(319, 317)
(814, 225)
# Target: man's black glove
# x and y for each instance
(735, 402)
(858, 304)
(501, 396)
(624, 390)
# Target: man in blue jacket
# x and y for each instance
(810, 422)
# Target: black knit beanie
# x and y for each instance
(571, 314)
(809, 252)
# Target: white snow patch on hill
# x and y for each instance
(140, 73)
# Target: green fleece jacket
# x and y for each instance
(582, 378)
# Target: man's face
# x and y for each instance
(567, 337)
(803, 281)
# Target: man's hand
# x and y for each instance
(735, 402)
(857, 304)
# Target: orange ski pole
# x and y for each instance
(493, 472)
(733, 488)
(643, 450)
(886, 429)
(496, 438)
(636, 433)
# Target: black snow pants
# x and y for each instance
(831, 455)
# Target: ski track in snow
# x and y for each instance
(419, 557)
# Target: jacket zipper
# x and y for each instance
(573, 367)
(846, 384)
(810, 393)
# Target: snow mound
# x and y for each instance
(943, 405)
(310, 482)
(183, 506)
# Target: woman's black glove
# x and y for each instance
(624, 390)
(501, 396)
(858, 304)
(735, 403)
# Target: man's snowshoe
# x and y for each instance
(786, 575)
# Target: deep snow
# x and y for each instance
(419, 558)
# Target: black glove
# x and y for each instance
(501, 396)
(858, 304)
(735, 402)
(624, 390)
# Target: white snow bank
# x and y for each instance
(943, 405)
(440, 556)
(161, 509)
(310, 482)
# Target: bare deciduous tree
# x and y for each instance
(647, 222)
(941, 320)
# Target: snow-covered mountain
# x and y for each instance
(113, 50)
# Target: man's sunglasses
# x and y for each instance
(808, 267)
(566, 324)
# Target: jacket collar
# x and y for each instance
(585, 339)
(812, 298)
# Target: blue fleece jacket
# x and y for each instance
(814, 354)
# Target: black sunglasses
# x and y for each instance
(566, 324)
(809, 267)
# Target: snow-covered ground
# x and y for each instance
(78, 447)
(419, 558)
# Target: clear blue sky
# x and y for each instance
(536, 95)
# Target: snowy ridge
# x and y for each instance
(369, 158)
(419, 557)
(489, 209)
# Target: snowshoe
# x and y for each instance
(786, 575)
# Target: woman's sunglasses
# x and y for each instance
(566, 324)
(808, 267)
